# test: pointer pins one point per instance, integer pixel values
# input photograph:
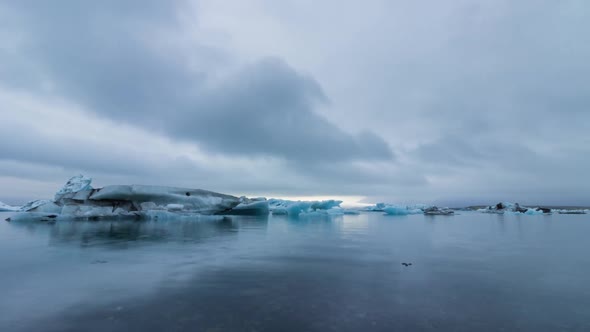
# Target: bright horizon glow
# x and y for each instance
(347, 201)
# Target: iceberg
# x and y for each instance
(8, 208)
(403, 210)
(575, 211)
(400, 210)
(436, 211)
(514, 208)
(79, 201)
(297, 208)
(379, 207)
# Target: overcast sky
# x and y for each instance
(450, 102)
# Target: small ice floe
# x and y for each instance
(8, 208)
(578, 211)
(305, 208)
(403, 210)
(436, 211)
(514, 208)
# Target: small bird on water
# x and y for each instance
(406, 264)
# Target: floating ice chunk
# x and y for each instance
(379, 207)
(395, 209)
(295, 208)
(514, 208)
(399, 210)
(575, 211)
(8, 208)
(436, 211)
(74, 185)
(532, 212)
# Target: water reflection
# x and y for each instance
(117, 233)
(112, 233)
(470, 272)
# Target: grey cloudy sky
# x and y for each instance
(452, 102)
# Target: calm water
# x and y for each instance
(470, 272)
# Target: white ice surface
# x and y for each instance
(5, 207)
(296, 208)
(74, 185)
(397, 209)
(401, 210)
(34, 204)
(77, 199)
(511, 208)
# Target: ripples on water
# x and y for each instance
(470, 272)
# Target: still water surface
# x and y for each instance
(469, 272)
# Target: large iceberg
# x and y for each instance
(78, 200)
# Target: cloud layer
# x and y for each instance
(460, 103)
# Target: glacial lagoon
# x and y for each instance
(468, 272)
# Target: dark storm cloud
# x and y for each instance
(268, 109)
(483, 101)
(102, 56)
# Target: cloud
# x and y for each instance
(47, 139)
(482, 101)
(102, 56)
